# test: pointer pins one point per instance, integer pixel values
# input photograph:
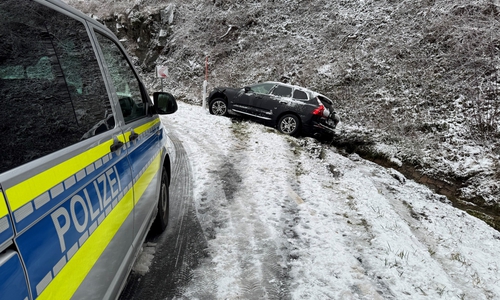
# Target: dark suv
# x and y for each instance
(293, 110)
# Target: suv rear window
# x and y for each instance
(51, 88)
(301, 95)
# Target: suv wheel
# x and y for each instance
(218, 107)
(289, 124)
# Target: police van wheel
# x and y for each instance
(162, 216)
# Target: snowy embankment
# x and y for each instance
(291, 218)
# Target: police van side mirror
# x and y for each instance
(164, 103)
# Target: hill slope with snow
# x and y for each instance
(416, 82)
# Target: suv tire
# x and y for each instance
(218, 107)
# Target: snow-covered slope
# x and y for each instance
(415, 82)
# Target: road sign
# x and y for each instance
(161, 71)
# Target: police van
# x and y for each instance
(84, 159)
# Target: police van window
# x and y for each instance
(51, 88)
(124, 80)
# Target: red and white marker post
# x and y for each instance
(205, 82)
(161, 72)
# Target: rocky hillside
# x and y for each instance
(416, 82)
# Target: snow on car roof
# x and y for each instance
(311, 92)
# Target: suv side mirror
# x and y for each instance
(164, 103)
(248, 89)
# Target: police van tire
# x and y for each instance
(163, 202)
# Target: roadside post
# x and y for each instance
(205, 82)
(161, 72)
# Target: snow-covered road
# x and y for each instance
(288, 218)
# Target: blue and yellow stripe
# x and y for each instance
(72, 275)
(26, 191)
(54, 186)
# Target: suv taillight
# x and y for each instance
(319, 111)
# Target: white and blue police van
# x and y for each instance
(84, 159)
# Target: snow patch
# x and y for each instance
(145, 258)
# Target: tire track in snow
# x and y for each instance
(256, 266)
(180, 248)
(331, 213)
(264, 268)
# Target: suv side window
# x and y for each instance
(262, 88)
(298, 94)
(126, 84)
(51, 89)
(283, 91)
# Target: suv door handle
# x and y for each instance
(117, 144)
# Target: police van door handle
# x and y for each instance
(117, 144)
(133, 136)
